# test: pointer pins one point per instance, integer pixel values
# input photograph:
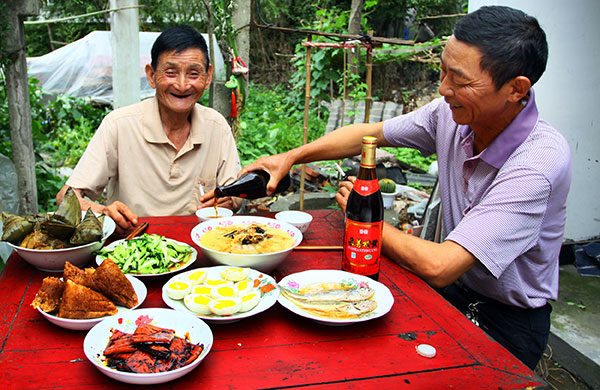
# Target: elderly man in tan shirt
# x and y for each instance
(153, 156)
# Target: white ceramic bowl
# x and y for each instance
(54, 260)
(299, 219)
(264, 262)
(208, 213)
(181, 322)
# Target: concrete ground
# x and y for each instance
(575, 331)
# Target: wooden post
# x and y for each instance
(125, 42)
(19, 109)
(305, 126)
(369, 79)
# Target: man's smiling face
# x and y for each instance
(470, 91)
(180, 80)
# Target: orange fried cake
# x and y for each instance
(110, 281)
(81, 302)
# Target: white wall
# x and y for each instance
(568, 97)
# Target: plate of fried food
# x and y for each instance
(148, 346)
(148, 255)
(334, 297)
(221, 294)
(84, 297)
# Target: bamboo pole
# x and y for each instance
(369, 80)
(305, 126)
(343, 89)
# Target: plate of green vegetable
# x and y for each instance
(148, 255)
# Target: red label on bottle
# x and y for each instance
(362, 247)
(366, 187)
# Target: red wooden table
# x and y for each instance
(276, 348)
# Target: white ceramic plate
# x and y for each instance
(85, 324)
(182, 265)
(266, 301)
(182, 323)
(382, 296)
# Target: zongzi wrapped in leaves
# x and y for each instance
(15, 228)
(88, 230)
(64, 221)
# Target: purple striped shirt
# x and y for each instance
(507, 205)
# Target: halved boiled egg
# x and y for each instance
(216, 282)
(235, 274)
(201, 289)
(197, 277)
(224, 291)
(197, 303)
(244, 286)
(249, 300)
(178, 289)
(225, 306)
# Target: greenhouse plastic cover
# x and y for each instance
(83, 68)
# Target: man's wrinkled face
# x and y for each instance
(468, 90)
(180, 80)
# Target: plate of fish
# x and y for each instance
(82, 298)
(334, 297)
(148, 346)
(221, 294)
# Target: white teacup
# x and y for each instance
(209, 213)
(299, 219)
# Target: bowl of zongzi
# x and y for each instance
(48, 241)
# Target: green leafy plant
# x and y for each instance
(61, 129)
(272, 123)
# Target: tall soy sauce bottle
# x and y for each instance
(252, 185)
(364, 218)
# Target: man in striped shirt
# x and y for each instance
(504, 175)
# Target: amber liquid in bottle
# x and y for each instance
(252, 185)
(364, 218)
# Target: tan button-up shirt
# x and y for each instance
(132, 157)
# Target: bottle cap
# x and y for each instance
(426, 350)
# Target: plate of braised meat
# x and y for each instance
(148, 346)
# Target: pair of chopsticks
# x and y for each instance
(319, 248)
(138, 230)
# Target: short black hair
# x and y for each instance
(178, 38)
(512, 42)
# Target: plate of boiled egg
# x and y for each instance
(221, 294)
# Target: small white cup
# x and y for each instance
(299, 219)
(208, 213)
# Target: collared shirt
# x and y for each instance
(131, 156)
(506, 206)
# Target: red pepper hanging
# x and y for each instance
(233, 113)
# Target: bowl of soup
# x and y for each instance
(257, 242)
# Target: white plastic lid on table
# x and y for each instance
(83, 69)
(426, 350)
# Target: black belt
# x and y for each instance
(474, 295)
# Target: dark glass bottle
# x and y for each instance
(364, 218)
(252, 185)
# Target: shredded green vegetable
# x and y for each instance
(147, 254)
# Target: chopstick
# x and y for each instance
(320, 248)
(138, 230)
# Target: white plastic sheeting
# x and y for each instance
(83, 68)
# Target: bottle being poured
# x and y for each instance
(252, 185)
